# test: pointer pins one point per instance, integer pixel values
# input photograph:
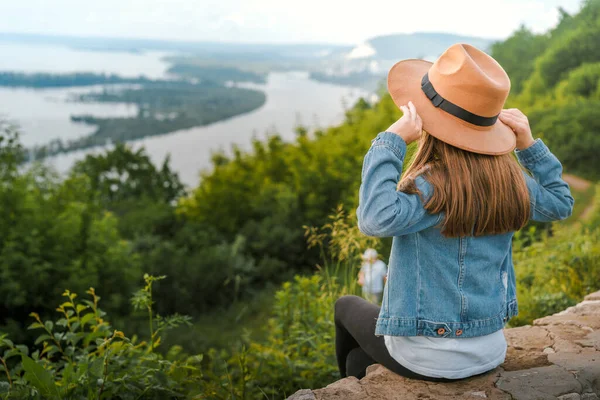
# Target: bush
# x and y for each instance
(50, 241)
(558, 271)
(268, 194)
(584, 81)
(82, 357)
(298, 350)
(570, 130)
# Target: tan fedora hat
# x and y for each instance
(458, 97)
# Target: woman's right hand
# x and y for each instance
(519, 123)
(409, 126)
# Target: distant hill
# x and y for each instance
(362, 65)
(420, 45)
(366, 64)
(394, 46)
(264, 51)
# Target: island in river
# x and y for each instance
(163, 105)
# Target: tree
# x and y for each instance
(127, 183)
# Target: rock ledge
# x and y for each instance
(558, 357)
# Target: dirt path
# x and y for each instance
(576, 182)
(580, 185)
(587, 213)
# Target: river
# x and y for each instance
(292, 99)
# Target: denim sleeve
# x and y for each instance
(382, 210)
(549, 195)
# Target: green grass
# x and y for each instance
(583, 199)
(224, 327)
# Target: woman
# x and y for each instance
(452, 216)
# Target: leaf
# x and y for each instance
(54, 350)
(62, 322)
(50, 349)
(81, 307)
(92, 336)
(35, 325)
(23, 349)
(49, 325)
(96, 368)
(195, 359)
(41, 338)
(89, 303)
(67, 373)
(86, 318)
(161, 378)
(40, 378)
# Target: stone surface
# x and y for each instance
(527, 345)
(584, 366)
(593, 296)
(539, 383)
(570, 396)
(304, 394)
(382, 384)
(558, 357)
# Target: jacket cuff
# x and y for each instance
(392, 141)
(533, 153)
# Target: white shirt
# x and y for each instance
(449, 358)
(373, 276)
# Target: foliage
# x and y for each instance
(220, 74)
(163, 107)
(558, 270)
(246, 227)
(206, 273)
(51, 238)
(46, 80)
(127, 183)
(11, 153)
(583, 81)
(572, 130)
(267, 195)
(517, 55)
(555, 80)
(340, 244)
(81, 356)
(298, 349)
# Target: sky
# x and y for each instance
(277, 21)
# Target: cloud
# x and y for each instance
(276, 20)
(236, 19)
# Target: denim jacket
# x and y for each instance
(439, 286)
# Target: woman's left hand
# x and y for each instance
(409, 126)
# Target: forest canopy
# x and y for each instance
(556, 81)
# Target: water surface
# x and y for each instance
(292, 99)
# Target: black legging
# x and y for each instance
(356, 345)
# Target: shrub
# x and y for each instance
(298, 350)
(570, 130)
(81, 356)
(558, 271)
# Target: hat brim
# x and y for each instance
(404, 85)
